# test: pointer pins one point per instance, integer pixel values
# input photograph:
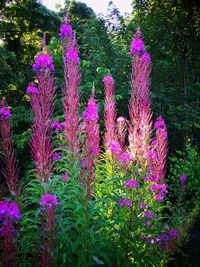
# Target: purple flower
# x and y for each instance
(121, 202)
(108, 80)
(9, 209)
(65, 177)
(65, 31)
(183, 179)
(91, 112)
(152, 178)
(125, 158)
(57, 126)
(48, 201)
(174, 233)
(43, 62)
(125, 202)
(158, 188)
(32, 90)
(164, 240)
(114, 147)
(9, 216)
(143, 206)
(160, 123)
(148, 214)
(72, 55)
(159, 197)
(145, 58)
(56, 156)
(137, 47)
(130, 184)
(5, 113)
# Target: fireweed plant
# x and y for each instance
(85, 205)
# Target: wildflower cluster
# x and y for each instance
(9, 217)
(57, 126)
(48, 201)
(32, 90)
(65, 31)
(91, 112)
(72, 56)
(43, 63)
(5, 113)
(165, 240)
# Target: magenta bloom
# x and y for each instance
(137, 47)
(32, 90)
(56, 156)
(183, 179)
(65, 177)
(158, 188)
(145, 58)
(91, 112)
(43, 62)
(48, 201)
(130, 184)
(160, 191)
(160, 123)
(124, 202)
(148, 214)
(125, 158)
(114, 148)
(143, 206)
(159, 197)
(108, 80)
(72, 55)
(152, 178)
(9, 216)
(57, 126)
(5, 113)
(65, 31)
(174, 233)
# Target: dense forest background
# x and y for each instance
(171, 31)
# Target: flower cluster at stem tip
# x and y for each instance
(32, 90)
(48, 201)
(108, 80)
(138, 49)
(43, 63)
(5, 113)
(91, 112)
(65, 31)
(72, 56)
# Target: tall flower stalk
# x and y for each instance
(10, 166)
(42, 102)
(109, 111)
(48, 205)
(72, 78)
(91, 150)
(161, 147)
(140, 129)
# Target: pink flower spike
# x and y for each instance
(137, 47)
(72, 55)
(65, 31)
(145, 58)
